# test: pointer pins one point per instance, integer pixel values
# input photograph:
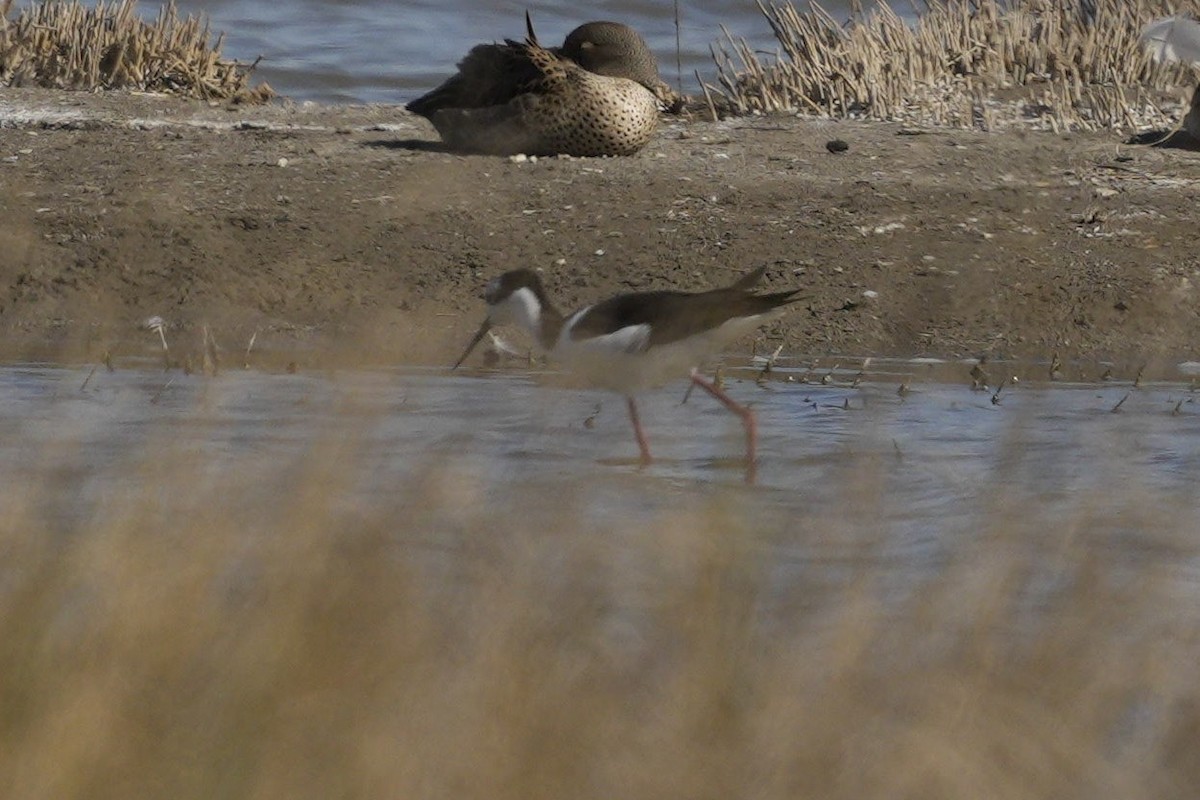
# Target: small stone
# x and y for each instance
(837, 146)
(282, 162)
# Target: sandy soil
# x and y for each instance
(348, 228)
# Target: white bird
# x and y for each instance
(1173, 39)
(1177, 39)
(636, 341)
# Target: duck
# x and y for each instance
(597, 95)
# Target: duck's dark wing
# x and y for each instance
(489, 75)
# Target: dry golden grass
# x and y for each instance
(964, 63)
(67, 45)
(195, 634)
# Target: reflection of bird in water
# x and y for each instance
(1177, 39)
(597, 95)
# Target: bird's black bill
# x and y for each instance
(479, 334)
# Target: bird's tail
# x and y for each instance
(530, 36)
(750, 279)
(764, 303)
(747, 282)
(780, 299)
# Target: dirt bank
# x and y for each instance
(346, 227)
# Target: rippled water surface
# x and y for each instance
(851, 478)
(382, 51)
(937, 450)
(433, 557)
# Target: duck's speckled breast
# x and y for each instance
(599, 116)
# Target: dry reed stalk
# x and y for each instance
(880, 66)
(708, 99)
(66, 45)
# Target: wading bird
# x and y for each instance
(636, 341)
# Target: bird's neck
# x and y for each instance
(534, 312)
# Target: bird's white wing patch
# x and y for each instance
(630, 339)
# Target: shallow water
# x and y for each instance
(853, 481)
(387, 52)
(934, 562)
(933, 454)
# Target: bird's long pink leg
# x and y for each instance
(637, 429)
(747, 414)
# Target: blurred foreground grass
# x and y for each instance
(184, 638)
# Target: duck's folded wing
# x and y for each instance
(489, 75)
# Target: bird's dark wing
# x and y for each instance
(489, 75)
(673, 316)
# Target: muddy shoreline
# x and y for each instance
(347, 230)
